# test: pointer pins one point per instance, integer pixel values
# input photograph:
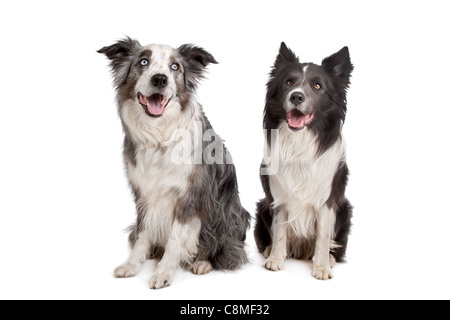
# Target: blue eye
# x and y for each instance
(175, 66)
(144, 62)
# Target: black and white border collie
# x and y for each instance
(188, 212)
(305, 214)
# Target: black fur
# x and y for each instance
(330, 111)
(121, 55)
(196, 60)
(329, 107)
(214, 196)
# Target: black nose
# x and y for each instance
(297, 98)
(159, 81)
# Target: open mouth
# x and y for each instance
(153, 105)
(297, 120)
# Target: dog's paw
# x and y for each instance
(202, 267)
(160, 280)
(322, 273)
(127, 270)
(274, 264)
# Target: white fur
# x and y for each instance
(181, 246)
(275, 261)
(304, 69)
(160, 63)
(303, 182)
(202, 267)
(321, 261)
(137, 258)
(159, 180)
(300, 190)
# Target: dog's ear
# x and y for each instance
(195, 62)
(121, 55)
(339, 65)
(285, 55)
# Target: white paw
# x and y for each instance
(160, 280)
(322, 273)
(274, 264)
(127, 270)
(202, 267)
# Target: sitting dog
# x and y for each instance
(188, 209)
(305, 214)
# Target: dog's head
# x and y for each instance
(156, 75)
(306, 94)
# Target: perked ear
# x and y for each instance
(339, 65)
(196, 60)
(121, 55)
(285, 55)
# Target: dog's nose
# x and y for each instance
(159, 81)
(297, 98)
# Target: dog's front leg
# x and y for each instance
(181, 246)
(137, 257)
(278, 252)
(321, 260)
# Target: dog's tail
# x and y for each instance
(231, 256)
(227, 248)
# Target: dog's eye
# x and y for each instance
(144, 62)
(175, 66)
(317, 86)
(289, 83)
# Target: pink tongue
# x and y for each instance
(296, 119)
(154, 105)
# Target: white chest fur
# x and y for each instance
(158, 179)
(304, 180)
(160, 184)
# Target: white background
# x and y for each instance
(64, 199)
